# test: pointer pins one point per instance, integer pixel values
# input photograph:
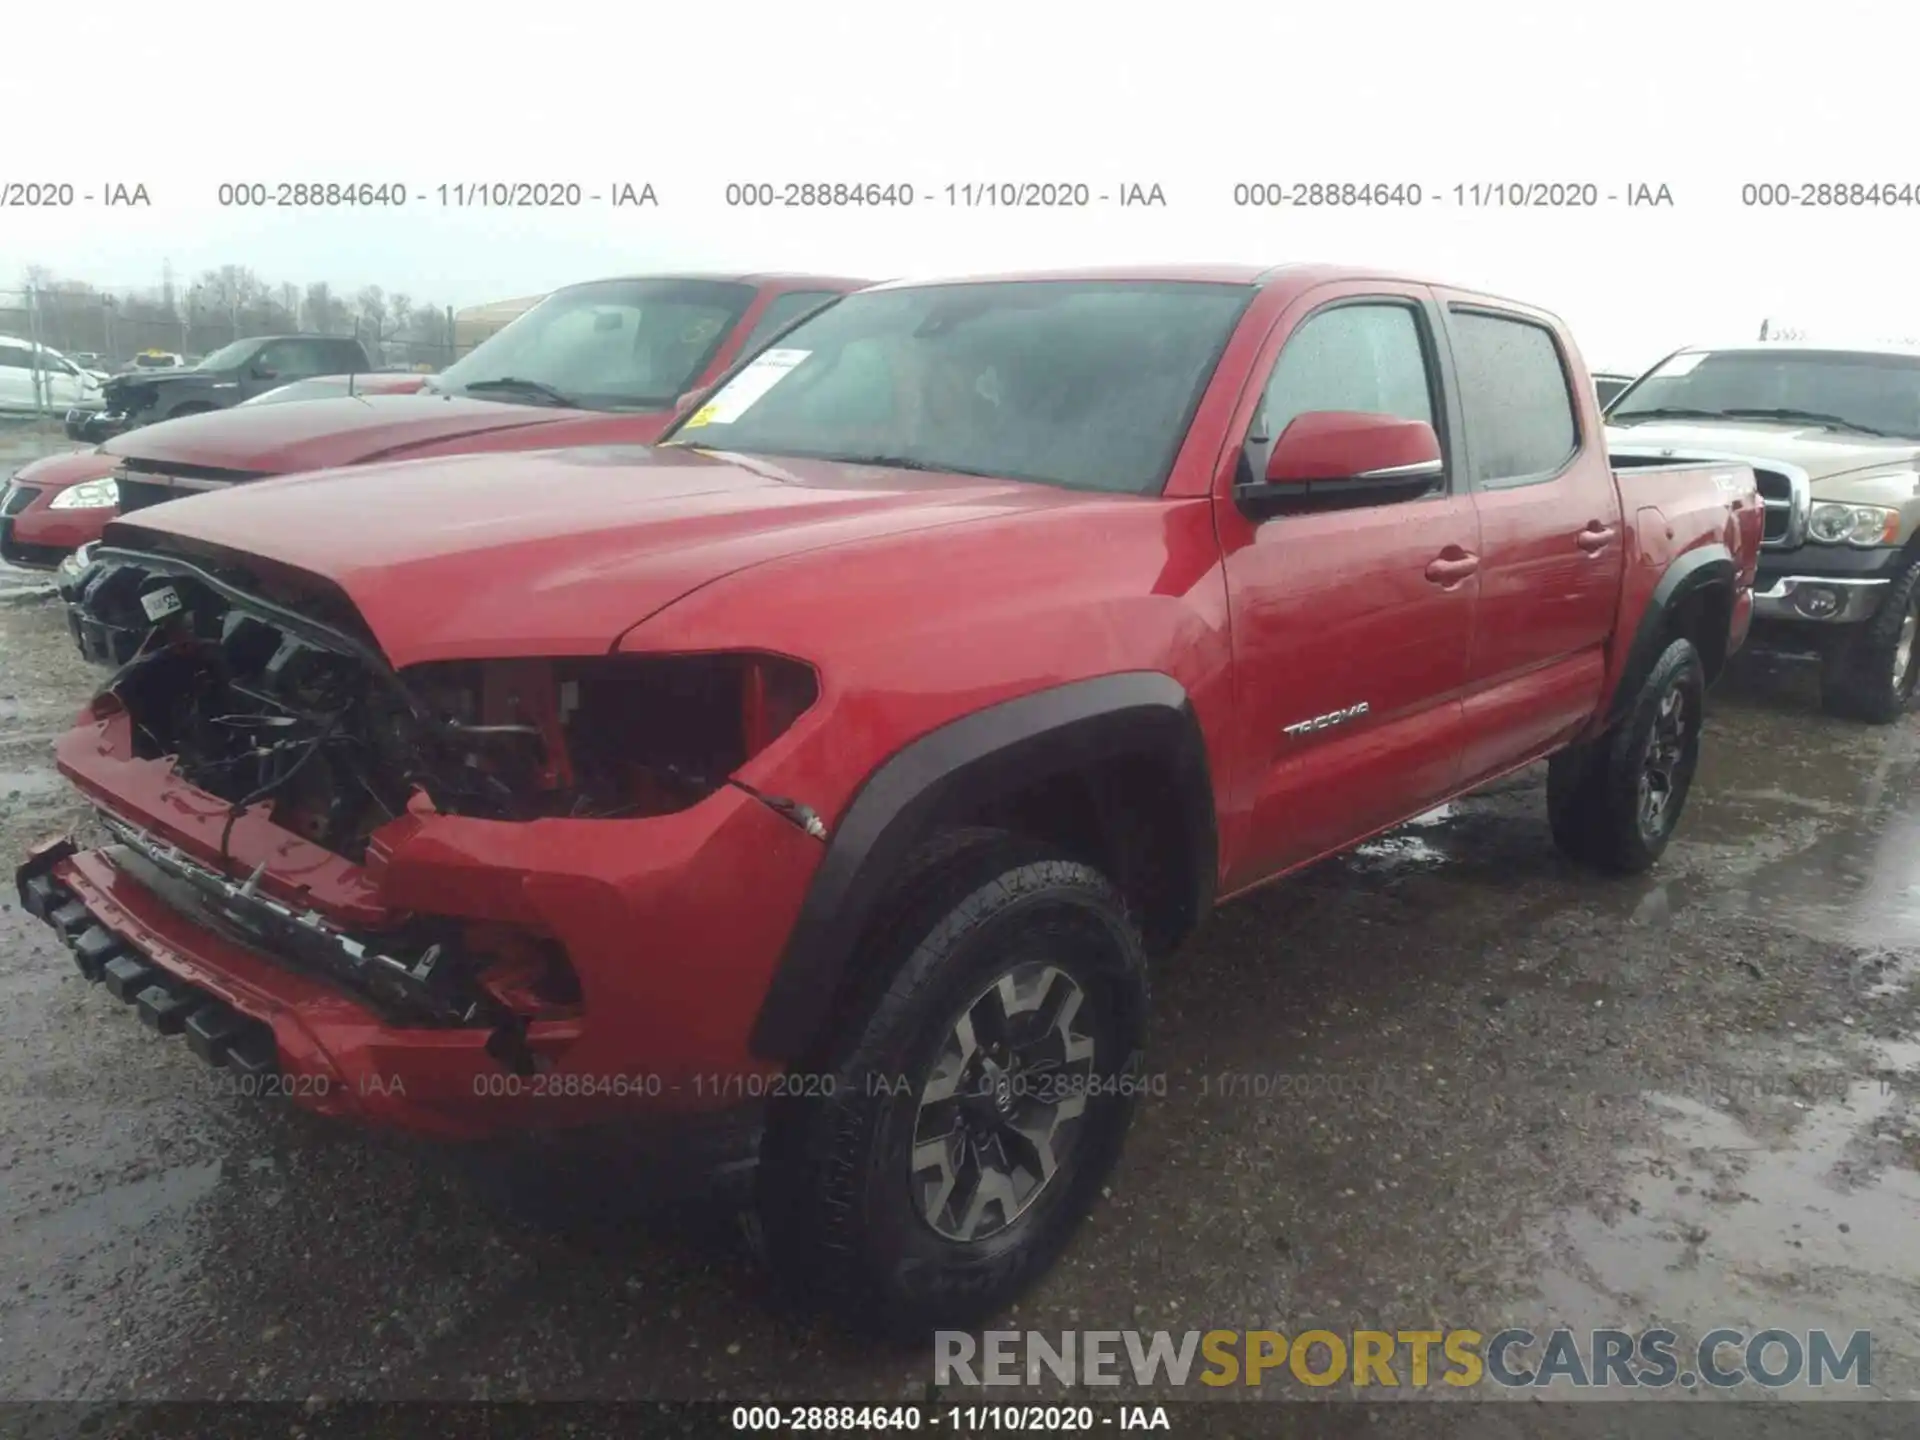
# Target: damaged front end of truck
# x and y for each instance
(312, 862)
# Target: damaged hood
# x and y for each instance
(322, 434)
(556, 552)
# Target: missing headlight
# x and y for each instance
(617, 736)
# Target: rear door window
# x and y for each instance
(1515, 396)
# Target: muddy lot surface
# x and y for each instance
(1448, 1081)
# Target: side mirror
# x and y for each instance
(1326, 459)
(262, 372)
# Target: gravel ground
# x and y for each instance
(1506, 1093)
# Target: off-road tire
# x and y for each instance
(840, 1217)
(1861, 676)
(1596, 803)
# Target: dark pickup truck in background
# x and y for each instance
(851, 748)
(231, 374)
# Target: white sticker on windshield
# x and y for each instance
(1680, 365)
(746, 388)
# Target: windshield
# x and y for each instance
(153, 362)
(1854, 389)
(1088, 385)
(612, 345)
(228, 356)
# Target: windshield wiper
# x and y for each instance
(1666, 412)
(1812, 417)
(907, 462)
(525, 387)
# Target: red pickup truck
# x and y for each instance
(848, 753)
(599, 363)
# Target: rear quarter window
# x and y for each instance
(1515, 397)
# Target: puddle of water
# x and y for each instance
(1397, 850)
(1816, 824)
(1902, 1057)
(76, 1229)
(1719, 1226)
(19, 785)
(1403, 847)
(42, 777)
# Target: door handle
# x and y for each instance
(1447, 570)
(1595, 537)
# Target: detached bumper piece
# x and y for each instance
(214, 1031)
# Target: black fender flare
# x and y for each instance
(999, 749)
(1705, 567)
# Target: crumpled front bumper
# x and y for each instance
(673, 925)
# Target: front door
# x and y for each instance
(1367, 606)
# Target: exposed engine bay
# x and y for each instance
(264, 688)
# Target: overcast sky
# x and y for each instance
(1195, 97)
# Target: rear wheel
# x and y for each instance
(1614, 802)
(192, 407)
(979, 1093)
(1871, 675)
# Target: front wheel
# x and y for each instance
(1871, 675)
(979, 1095)
(1615, 802)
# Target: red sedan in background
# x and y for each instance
(599, 363)
(54, 505)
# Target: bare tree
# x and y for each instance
(324, 313)
(228, 302)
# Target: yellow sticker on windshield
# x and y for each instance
(702, 416)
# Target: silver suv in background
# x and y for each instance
(1833, 436)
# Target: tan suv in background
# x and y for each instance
(1833, 436)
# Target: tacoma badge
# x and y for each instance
(1331, 718)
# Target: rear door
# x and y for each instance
(1335, 609)
(1551, 535)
